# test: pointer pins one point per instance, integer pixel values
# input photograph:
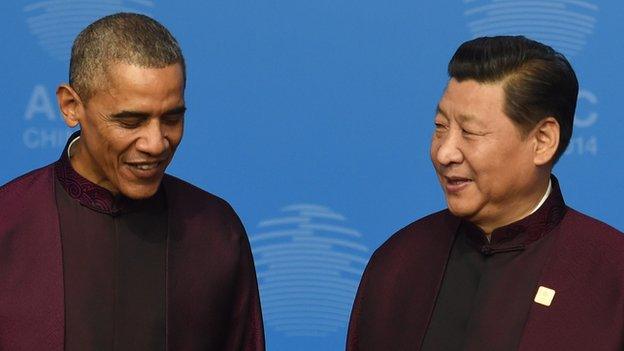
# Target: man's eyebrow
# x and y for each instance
(463, 118)
(467, 118)
(139, 114)
(440, 111)
(176, 111)
(130, 114)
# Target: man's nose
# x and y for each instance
(153, 141)
(449, 150)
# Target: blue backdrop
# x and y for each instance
(313, 119)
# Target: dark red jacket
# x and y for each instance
(585, 267)
(212, 295)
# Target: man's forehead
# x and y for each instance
(471, 101)
(120, 76)
(120, 69)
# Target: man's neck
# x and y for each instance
(548, 191)
(540, 203)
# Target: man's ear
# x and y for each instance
(546, 136)
(70, 105)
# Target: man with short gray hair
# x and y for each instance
(102, 249)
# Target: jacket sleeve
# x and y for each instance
(247, 331)
(355, 321)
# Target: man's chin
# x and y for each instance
(140, 192)
(460, 210)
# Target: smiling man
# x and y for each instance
(102, 249)
(508, 266)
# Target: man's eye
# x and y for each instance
(130, 123)
(470, 132)
(173, 119)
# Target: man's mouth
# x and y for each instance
(455, 183)
(145, 166)
(146, 169)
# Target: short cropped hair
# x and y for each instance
(120, 38)
(538, 81)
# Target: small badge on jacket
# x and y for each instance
(544, 296)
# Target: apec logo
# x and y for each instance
(56, 23)
(563, 24)
(44, 129)
(309, 266)
(583, 143)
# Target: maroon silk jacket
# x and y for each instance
(212, 297)
(585, 267)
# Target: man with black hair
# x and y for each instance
(102, 250)
(508, 266)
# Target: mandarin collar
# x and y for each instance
(517, 235)
(93, 196)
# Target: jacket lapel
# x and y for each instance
(400, 286)
(437, 259)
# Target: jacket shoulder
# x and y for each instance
(197, 205)
(27, 198)
(594, 236)
(181, 190)
(591, 250)
(26, 179)
(589, 224)
(425, 234)
(421, 229)
(27, 186)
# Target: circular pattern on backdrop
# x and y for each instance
(563, 24)
(309, 266)
(56, 23)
